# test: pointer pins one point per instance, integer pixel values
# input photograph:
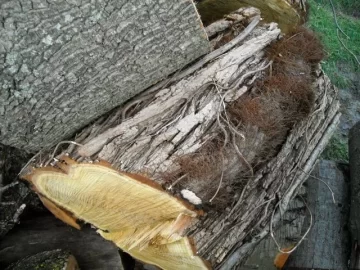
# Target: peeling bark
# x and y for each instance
(281, 178)
(280, 11)
(180, 118)
(177, 117)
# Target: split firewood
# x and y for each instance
(128, 209)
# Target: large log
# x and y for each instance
(169, 121)
(327, 245)
(289, 231)
(354, 158)
(65, 63)
(177, 120)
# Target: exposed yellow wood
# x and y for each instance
(129, 209)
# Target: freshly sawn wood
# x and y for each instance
(128, 209)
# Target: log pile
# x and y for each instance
(179, 119)
(182, 134)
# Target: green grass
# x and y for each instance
(337, 150)
(350, 7)
(339, 62)
(340, 65)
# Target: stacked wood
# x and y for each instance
(287, 233)
(279, 179)
(186, 118)
(177, 120)
(288, 13)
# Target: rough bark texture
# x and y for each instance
(235, 239)
(47, 260)
(151, 132)
(288, 233)
(65, 63)
(174, 120)
(327, 245)
(179, 119)
(45, 233)
(191, 99)
(354, 157)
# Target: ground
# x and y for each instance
(341, 66)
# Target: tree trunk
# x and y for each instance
(65, 63)
(177, 120)
(186, 118)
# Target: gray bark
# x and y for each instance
(281, 177)
(65, 63)
(327, 245)
(354, 157)
(47, 260)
